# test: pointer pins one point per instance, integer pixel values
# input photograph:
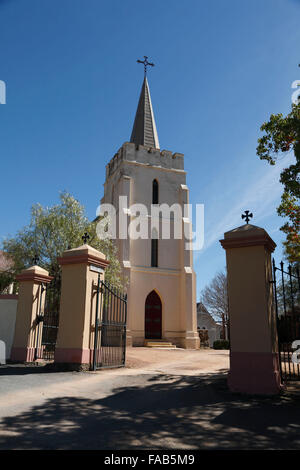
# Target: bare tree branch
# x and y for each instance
(214, 298)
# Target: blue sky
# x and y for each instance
(222, 67)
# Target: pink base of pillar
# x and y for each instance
(22, 354)
(254, 373)
(73, 355)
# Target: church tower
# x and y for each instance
(161, 280)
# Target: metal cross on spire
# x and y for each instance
(247, 216)
(146, 64)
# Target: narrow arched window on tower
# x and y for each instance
(155, 192)
(113, 195)
(154, 249)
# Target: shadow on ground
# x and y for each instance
(22, 369)
(176, 412)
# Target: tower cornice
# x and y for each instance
(148, 157)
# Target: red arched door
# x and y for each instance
(153, 316)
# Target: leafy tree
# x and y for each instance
(282, 135)
(6, 279)
(215, 298)
(51, 231)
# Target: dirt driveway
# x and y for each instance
(163, 399)
(22, 385)
(192, 362)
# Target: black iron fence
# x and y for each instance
(110, 327)
(47, 321)
(286, 282)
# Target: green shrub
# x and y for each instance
(221, 344)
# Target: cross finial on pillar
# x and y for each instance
(247, 216)
(35, 259)
(146, 64)
(85, 237)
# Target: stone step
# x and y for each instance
(159, 344)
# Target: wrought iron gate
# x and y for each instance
(47, 321)
(287, 303)
(110, 327)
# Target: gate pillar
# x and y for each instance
(30, 305)
(254, 360)
(80, 270)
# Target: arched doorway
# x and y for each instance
(153, 316)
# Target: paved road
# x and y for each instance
(163, 400)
